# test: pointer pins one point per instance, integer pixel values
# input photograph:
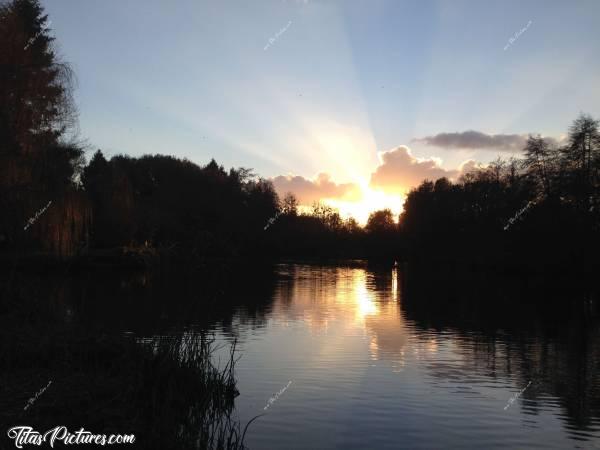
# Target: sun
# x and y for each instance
(347, 153)
(368, 201)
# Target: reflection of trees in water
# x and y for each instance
(381, 279)
(388, 335)
(153, 302)
(318, 293)
(510, 328)
(387, 329)
(354, 298)
(165, 390)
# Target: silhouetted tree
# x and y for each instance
(539, 162)
(550, 198)
(36, 106)
(289, 204)
(381, 222)
(327, 215)
(37, 164)
(581, 158)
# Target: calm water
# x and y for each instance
(344, 360)
(358, 356)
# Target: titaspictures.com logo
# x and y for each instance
(25, 435)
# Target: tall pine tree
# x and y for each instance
(37, 164)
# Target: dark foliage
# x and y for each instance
(541, 210)
(544, 207)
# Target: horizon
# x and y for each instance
(328, 99)
(300, 224)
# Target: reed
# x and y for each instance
(167, 390)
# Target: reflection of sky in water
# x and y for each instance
(366, 377)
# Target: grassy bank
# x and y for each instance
(165, 390)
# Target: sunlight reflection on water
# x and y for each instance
(368, 375)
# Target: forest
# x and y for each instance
(500, 251)
(541, 206)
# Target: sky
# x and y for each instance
(347, 102)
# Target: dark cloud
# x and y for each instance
(308, 191)
(513, 143)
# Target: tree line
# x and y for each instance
(543, 207)
(545, 203)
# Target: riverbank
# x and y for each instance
(58, 371)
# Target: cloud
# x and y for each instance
(397, 172)
(557, 142)
(308, 191)
(470, 166)
(512, 143)
(400, 170)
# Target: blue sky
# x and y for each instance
(340, 83)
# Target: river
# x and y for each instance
(340, 359)
(355, 355)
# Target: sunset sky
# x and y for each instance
(350, 101)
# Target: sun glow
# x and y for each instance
(370, 200)
(365, 303)
(347, 154)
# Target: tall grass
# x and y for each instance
(166, 390)
(190, 402)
